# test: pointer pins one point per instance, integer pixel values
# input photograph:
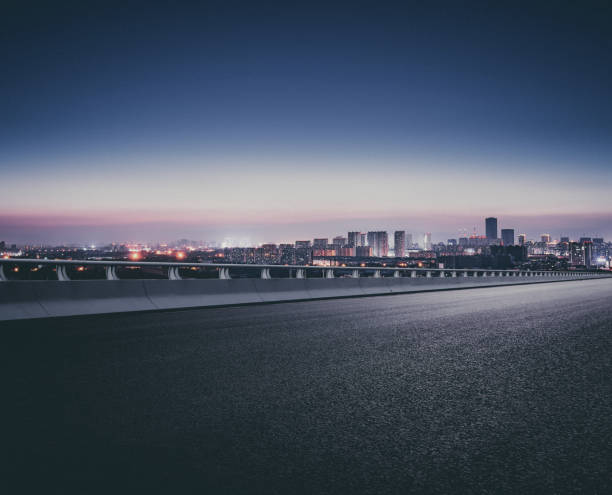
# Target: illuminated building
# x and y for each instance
(491, 228)
(507, 237)
(399, 245)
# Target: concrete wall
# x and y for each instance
(40, 299)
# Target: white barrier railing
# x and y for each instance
(293, 271)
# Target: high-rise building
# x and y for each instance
(427, 241)
(545, 238)
(508, 237)
(491, 228)
(522, 239)
(321, 242)
(379, 242)
(356, 239)
(302, 244)
(339, 240)
(399, 245)
(564, 239)
(409, 243)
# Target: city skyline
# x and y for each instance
(369, 236)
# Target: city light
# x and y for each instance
(180, 255)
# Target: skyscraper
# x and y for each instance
(379, 242)
(427, 241)
(508, 237)
(491, 228)
(356, 239)
(399, 245)
(522, 238)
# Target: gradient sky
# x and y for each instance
(271, 122)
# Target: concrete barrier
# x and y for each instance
(80, 297)
(39, 299)
(170, 294)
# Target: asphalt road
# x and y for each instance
(496, 390)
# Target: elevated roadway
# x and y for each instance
(493, 390)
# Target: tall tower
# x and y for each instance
(491, 228)
(399, 245)
(427, 241)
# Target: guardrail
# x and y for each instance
(251, 284)
(224, 270)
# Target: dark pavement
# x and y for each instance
(495, 390)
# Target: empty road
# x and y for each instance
(495, 390)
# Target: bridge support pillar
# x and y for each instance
(428, 274)
(329, 274)
(299, 273)
(377, 274)
(355, 274)
(396, 274)
(173, 273)
(454, 274)
(111, 273)
(413, 274)
(2, 275)
(62, 276)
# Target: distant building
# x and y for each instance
(451, 242)
(508, 237)
(320, 243)
(491, 228)
(356, 239)
(363, 251)
(409, 243)
(522, 239)
(346, 250)
(379, 242)
(564, 239)
(399, 244)
(427, 241)
(287, 254)
(302, 244)
(545, 238)
(339, 241)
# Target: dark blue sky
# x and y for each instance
(471, 96)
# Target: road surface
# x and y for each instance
(494, 390)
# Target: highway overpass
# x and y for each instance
(504, 389)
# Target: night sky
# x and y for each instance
(265, 121)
